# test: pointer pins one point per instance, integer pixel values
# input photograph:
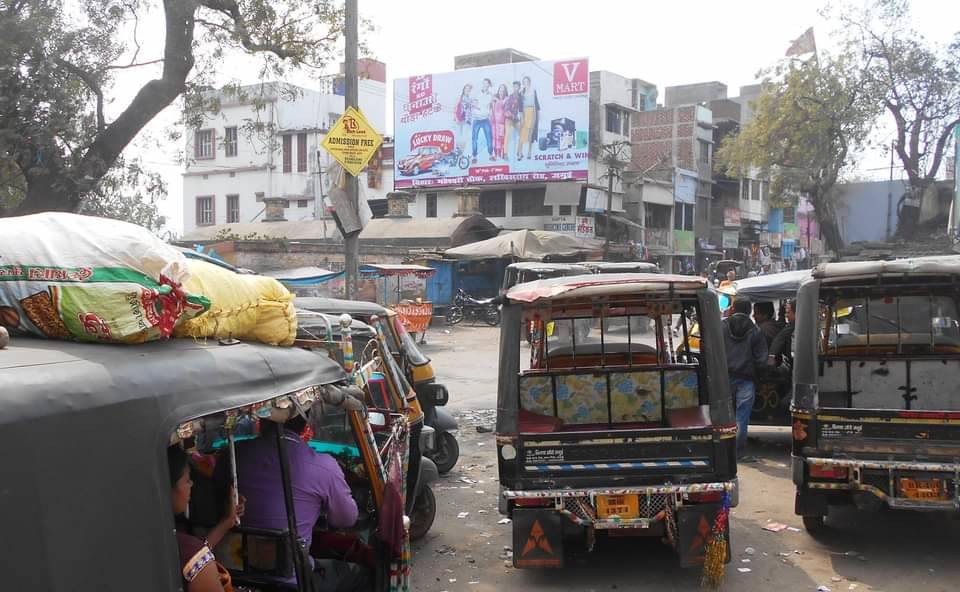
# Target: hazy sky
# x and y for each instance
(666, 43)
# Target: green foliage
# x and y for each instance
(808, 122)
(130, 193)
(59, 60)
(916, 81)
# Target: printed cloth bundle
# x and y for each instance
(65, 276)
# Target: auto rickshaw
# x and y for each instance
(618, 432)
(621, 266)
(417, 367)
(388, 391)
(86, 500)
(774, 384)
(876, 417)
(528, 271)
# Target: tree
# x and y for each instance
(59, 60)
(917, 83)
(809, 121)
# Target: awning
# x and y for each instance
(623, 221)
(562, 194)
(303, 276)
(393, 269)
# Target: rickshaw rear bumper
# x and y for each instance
(882, 479)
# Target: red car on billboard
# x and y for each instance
(421, 161)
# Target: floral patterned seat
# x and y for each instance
(683, 388)
(536, 394)
(582, 398)
(635, 396)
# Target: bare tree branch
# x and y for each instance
(88, 79)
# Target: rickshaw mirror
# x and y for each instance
(377, 419)
(843, 329)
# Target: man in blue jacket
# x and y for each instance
(746, 350)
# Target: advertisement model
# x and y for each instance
(509, 123)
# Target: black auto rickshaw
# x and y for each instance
(876, 416)
(616, 432)
(621, 266)
(418, 368)
(389, 392)
(529, 271)
(86, 499)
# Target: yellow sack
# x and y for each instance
(244, 307)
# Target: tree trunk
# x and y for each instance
(49, 191)
(827, 221)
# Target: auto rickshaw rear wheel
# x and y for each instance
(424, 513)
(814, 525)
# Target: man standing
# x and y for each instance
(481, 119)
(781, 350)
(746, 349)
(763, 315)
(731, 277)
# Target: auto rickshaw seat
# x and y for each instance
(258, 557)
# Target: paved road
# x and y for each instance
(890, 551)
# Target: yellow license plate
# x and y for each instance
(923, 488)
(623, 506)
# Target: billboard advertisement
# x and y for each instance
(525, 122)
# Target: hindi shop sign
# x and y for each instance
(527, 122)
(352, 141)
(564, 224)
(585, 227)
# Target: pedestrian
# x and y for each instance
(763, 316)
(731, 277)
(746, 349)
(781, 350)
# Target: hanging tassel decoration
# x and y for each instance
(715, 560)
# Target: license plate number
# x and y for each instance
(622, 506)
(922, 488)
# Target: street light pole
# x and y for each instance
(351, 241)
(614, 159)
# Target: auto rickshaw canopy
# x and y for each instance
(85, 501)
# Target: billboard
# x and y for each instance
(526, 122)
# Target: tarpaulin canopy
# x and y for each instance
(393, 269)
(524, 244)
(303, 276)
(775, 286)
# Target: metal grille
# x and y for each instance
(649, 506)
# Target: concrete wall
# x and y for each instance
(690, 94)
(862, 209)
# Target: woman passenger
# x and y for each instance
(199, 569)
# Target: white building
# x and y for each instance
(265, 143)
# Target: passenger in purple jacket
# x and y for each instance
(319, 489)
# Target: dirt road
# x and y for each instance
(468, 550)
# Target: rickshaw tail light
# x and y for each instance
(536, 502)
(705, 497)
(828, 472)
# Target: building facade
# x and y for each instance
(264, 142)
(557, 206)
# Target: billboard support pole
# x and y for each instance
(351, 241)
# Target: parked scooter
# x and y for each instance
(424, 510)
(467, 307)
(446, 450)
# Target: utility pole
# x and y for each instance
(614, 156)
(352, 241)
(890, 194)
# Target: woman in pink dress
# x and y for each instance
(498, 119)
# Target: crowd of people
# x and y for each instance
(506, 118)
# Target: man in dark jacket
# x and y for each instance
(746, 349)
(763, 315)
(781, 350)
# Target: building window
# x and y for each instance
(301, 203)
(704, 156)
(301, 153)
(230, 141)
(287, 149)
(683, 216)
(233, 209)
(493, 204)
(618, 121)
(565, 211)
(529, 202)
(203, 143)
(755, 190)
(656, 216)
(789, 215)
(431, 205)
(744, 189)
(205, 210)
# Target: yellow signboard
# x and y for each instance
(352, 141)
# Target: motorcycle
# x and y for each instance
(467, 307)
(446, 449)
